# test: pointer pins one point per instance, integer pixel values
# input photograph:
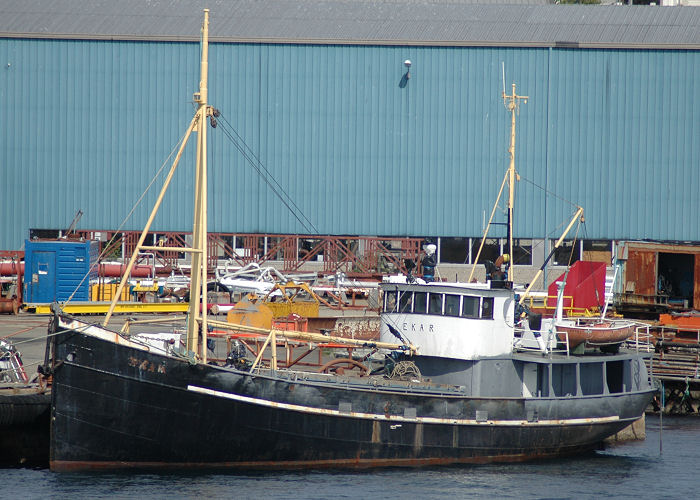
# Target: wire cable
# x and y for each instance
(128, 216)
(267, 176)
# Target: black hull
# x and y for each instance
(24, 427)
(121, 407)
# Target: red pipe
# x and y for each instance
(116, 270)
(107, 270)
(10, 268)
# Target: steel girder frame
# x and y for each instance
(350, 254)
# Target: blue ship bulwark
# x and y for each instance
(56, 269)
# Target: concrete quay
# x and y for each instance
(28, 334)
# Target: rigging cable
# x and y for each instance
(128, 216)
(547, 191)
(266, 175)
(552, 232)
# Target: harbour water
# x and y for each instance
(630, 470)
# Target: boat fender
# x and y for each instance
(191, 358)
(535, 321)
(540, 340)
(395, 333)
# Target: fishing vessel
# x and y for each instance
(458, 382)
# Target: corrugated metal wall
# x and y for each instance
(623, 138)
(357, 147)
(85, 126)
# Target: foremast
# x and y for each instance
(197, 317)
(198, 274)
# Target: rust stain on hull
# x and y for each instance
(376, 432)
(354, 463)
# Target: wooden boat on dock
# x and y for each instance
(594, 332)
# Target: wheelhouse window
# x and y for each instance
(405, 302)
(470, 307)
(439, 304)
(435, 303)
(487, 308)
(390, 302)
(420, 302)
(451, 305)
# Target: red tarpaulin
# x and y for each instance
(585, 286)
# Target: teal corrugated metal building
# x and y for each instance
(358, 147)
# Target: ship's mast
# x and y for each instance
(511, 103)
(198, 285)
(197, 319)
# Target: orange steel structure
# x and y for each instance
(354, 255)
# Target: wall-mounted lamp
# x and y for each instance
(407, 63)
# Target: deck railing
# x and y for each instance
(558, 341)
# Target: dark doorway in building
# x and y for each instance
(454, 250)
(676, 278)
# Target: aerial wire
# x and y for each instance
(128, 216)
(267, 176)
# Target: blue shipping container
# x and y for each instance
(54, 270)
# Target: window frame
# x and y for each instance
(416, 302)
(489, 308)
(476, 307)
(456, 310)
(578, 252)
(405, 306)
(431, 303)
(387, 296)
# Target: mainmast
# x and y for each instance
(197, 319)
(198, 284)
(512, 102)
